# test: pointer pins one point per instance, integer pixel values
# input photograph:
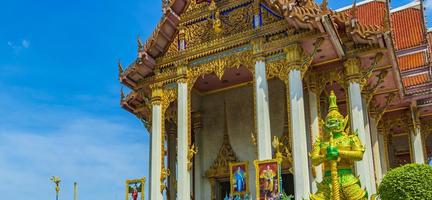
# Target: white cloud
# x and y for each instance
(97, 151)
(24, 44)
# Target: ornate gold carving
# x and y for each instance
(294, 55)
(279, 69)
(238, 20)
(218, 66)
(282, 151)
(193, 150)
(223, 24)
(329, 76)
(370, 90)
(165, 173)
(352, 69)
(225, 156)
(197, 33)
(174, 46)
(268, 17)
(376, 111)
(366, 74)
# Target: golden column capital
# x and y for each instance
(352, 69)
(157, 92)
(294, 56)
(257, 48)
(182, 72)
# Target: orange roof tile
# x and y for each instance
(408, 28)
(412, 61)
(370, 13)
(415, 80)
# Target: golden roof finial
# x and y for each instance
(120, 69)
(386, 20)
(213, 5)
(354, 10)
(122, 95)
(140, 44)
(324, 5)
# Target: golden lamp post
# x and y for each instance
(56, 181)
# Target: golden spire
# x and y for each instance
(332, 102)
(333, 108)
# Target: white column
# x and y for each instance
(299, 143)
(262, 112)
(417, 145)
(376, 148)
(198, 159)
(357, 125)
(314, 123)
(172, 163)
(156, 152)
(368, 145)
(184, 179)
(383, 152)
(352, 71)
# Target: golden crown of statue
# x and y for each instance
(333, 108)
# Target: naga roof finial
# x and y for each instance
(122, 95)
(324, 5)
(140, 44)
(386, 20)
(354, 10)
(120, 68)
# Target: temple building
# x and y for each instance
(219, 80)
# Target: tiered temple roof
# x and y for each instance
(369, 22)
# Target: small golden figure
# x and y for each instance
(338, 151)
(192, 152)
(56, 181)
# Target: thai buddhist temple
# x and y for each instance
(223, 81)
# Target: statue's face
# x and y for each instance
(334, 124)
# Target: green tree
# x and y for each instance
(408, 182)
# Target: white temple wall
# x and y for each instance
(240, 114)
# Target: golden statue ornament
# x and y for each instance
(337, 150)
(56, 180)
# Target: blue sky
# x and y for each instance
(59, 99)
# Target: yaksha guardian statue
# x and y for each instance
(337, 150)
